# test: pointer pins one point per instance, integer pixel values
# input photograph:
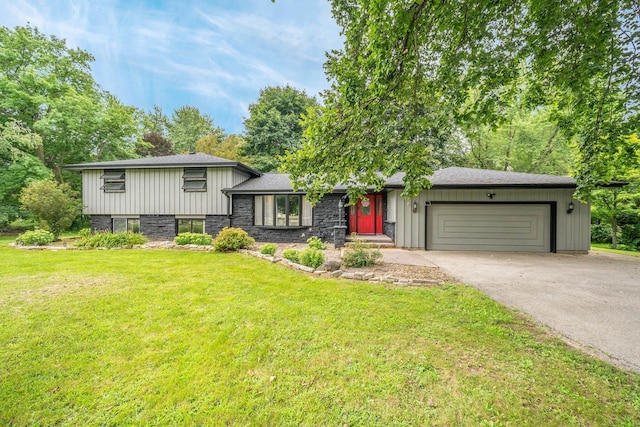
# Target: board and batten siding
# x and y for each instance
(159, 192)
(573, 231)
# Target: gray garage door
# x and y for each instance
(488, 227)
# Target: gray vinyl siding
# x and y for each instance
(159, 192)
(572, 234)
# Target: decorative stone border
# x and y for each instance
(362, 276)
(149, 245)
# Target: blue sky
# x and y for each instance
(214, 55)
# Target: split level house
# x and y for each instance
(465, 209)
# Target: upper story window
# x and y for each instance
(194, 179)
(113, 181)
(282, 210)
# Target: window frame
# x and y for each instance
(190, 220)
(130, 224)
(267, 213)
(190, 178)
(113, 180)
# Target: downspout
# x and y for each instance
(228, 206)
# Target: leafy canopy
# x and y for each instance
(412, 72)
(274, 125)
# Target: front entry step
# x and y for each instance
(380, 241)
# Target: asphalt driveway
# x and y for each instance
(593, 300)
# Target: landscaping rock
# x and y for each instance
(336, 273)
(304, 268)
(331, 265)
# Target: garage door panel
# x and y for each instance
(494, 227)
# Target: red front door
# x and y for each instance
(365, 217)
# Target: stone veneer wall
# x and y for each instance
(325, 217)
(389, 229)
(214, 223)
(100, 223)
(158, 227)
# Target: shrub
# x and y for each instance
(291, 254)
(232, 239)
(36, 237)
(268, 249)
(193, 239)
(111, 240)
(316, 243)
(360, 257)
(55, 205)
(311, 257)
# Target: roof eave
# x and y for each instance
(90, 166)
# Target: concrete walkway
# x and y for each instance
(593, 300)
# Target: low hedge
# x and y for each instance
(110, 240)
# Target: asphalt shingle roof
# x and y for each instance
(469, 177)
(178, 160)
(453, 177)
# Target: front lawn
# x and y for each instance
(174, 337)
(604, 247)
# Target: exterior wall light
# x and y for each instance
(570, 207)
(414, 207)
(491, 195)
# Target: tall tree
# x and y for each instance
(14, 176)
(528, 141)
(187, 126)
(410, 66)
(154, 144)
(229, 148)
(612, 206)
(274, 125)
(47, 89)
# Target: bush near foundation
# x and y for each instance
(231, 239)
(268, 249)
(111, 240)
(193, 239)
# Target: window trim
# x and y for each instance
(189, 177)
(113, 177)
(268, 218)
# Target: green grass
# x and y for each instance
(175, 337)
(604, 247)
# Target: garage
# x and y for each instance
(490, 227)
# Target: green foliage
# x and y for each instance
(228, 148)
(310, 257)
(110, 240)
(193, 239)
(600, 233)
(274, 125)
(412, 74)
(153, 144)
(231, 239)
(54, 205)
(315, 242)
(528, 141)
(14, 175)
(292, 255)
(268, 249)
(187, 125)
(359, 254)
(36, 237)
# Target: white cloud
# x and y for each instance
(217, 54)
